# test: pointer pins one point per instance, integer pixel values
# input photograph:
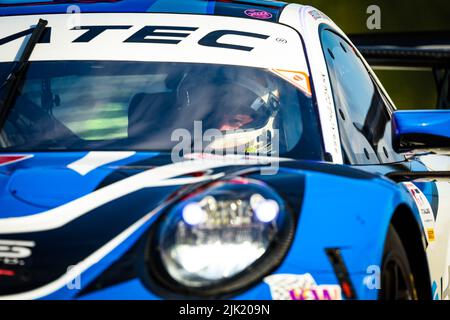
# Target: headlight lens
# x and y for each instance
(216, 234)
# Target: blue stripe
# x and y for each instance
(137, 6)
(193, 6)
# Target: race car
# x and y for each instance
(159, 149)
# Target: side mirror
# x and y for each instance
(421, 130)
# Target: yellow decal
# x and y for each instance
(430, 234)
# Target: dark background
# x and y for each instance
(408, 89)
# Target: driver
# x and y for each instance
(237, 107)
(235, 121)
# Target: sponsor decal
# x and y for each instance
(425, 210)
(438, 291)
(14, 252)
(258, 14)
(169, 35)
(132, 37)
(7, 273)
(434, 292)
(430, 234)
(300, 287)
(316, 14)
(297, 78)
(8, 159)
(327, 94)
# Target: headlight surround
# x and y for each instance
(220, 239)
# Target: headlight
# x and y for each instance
(219, 235)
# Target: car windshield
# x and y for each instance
(155, 106)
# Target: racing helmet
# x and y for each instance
(246, 100)
(241, 105)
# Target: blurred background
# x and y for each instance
(411, 89)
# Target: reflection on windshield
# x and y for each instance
(87, 105)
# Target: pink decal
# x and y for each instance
(258, 14)
(326, 295)
(314, 293)
(294, 295)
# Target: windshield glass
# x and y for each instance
(113, 105)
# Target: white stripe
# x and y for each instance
(58, 217)
(96, 159)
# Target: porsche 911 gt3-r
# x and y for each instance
(159, 149)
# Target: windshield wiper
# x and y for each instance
(13, 82)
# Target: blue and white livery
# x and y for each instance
(162, 149)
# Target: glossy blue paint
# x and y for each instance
(357, 224)
(421, 129)
(128, 290)
(436, 122)
(45, 181)
(89, 275)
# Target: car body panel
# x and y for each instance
(360, 226)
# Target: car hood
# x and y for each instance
(87, 210)
(32, 183)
